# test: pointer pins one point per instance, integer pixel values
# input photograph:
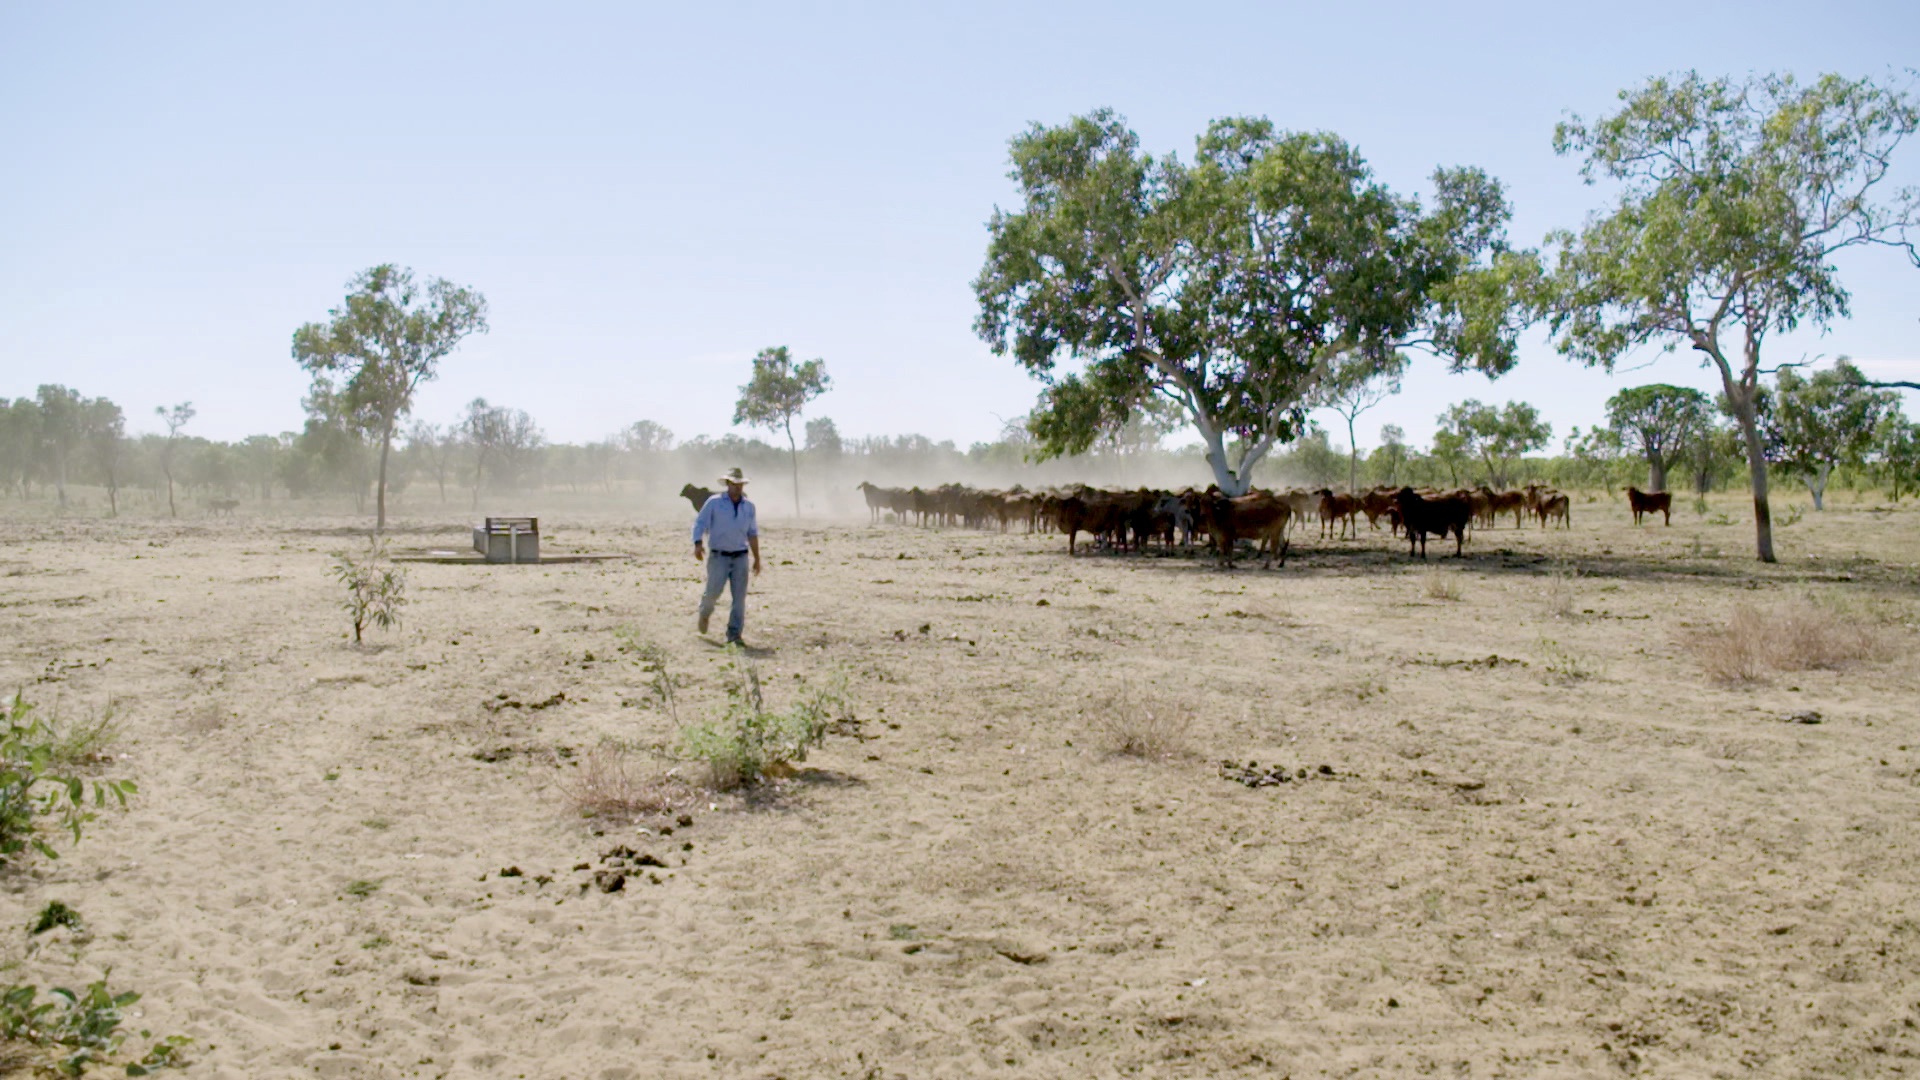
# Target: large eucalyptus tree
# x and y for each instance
(1733, 200)
(1222, 285)
(379, 346)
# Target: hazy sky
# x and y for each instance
(649, 195)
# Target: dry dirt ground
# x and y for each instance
(1543, 843)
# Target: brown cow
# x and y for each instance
(1648, 502)
(1554, 505)
(1262, 516)
(1505, 502)
(1334, 510)
(1376, 504)
(1074, 515)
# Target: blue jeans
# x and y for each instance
(722, 571)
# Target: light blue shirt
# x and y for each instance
(726, 525)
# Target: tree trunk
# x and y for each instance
(171, 512)
(479, 466)
(793, 455)
(1231, 485)
(1817, 486)
(1743, 414)
(380, 490)
(1656, 471)
(1353, 460)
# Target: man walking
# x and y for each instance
(727, 523)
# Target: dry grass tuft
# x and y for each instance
(1439, 585)
(614, 781)
(1794, 635)
(1558, 592)
(86, 739)
(1142, 727)
(204, 720)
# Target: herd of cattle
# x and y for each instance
(1129, 520)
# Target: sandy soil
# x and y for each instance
(1548, 846)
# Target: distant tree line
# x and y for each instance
(1821, 429)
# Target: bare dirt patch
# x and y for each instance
(1548, 841)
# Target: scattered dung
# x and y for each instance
(1253, 775)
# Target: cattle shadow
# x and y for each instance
(1348, 559)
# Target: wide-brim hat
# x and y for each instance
(733, 476)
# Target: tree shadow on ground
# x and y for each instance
(781, 796)
(1486, 554)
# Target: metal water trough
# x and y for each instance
(508, 539)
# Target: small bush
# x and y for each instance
(748, 742)
(85, 740)
(612, 781)
(1561, 664)
(56, 913)
(85, 1026)
(1795, 635)
(1440, 586)
(1136, 726)
(375, 589)
(1559, 593)
(1790, 516)
(654, 662)
(31, 790)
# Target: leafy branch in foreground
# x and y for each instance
(85, 1024)
(30, 790)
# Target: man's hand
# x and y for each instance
(756, 566)
(699, 551)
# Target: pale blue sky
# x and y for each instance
(647, 196)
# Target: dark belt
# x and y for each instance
(732, 554)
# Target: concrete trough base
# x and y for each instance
(508, 540)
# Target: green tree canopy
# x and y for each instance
(823, 437)
(1898, 454)
(777, 393)
(1219, 285)
(1661, 420)
(103, 427)
(62, 431)
(504, 442)
(383, 342)
(174, 418)
(1824, 420)
(1734, 198)
(1390, 458)
(1349, 385)
(1499, 437)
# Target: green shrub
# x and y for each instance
(30, 790)
(85, 740)
(375, 589)
(654, 662)
(85, 1025)
(748, 742)
(54, 914)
